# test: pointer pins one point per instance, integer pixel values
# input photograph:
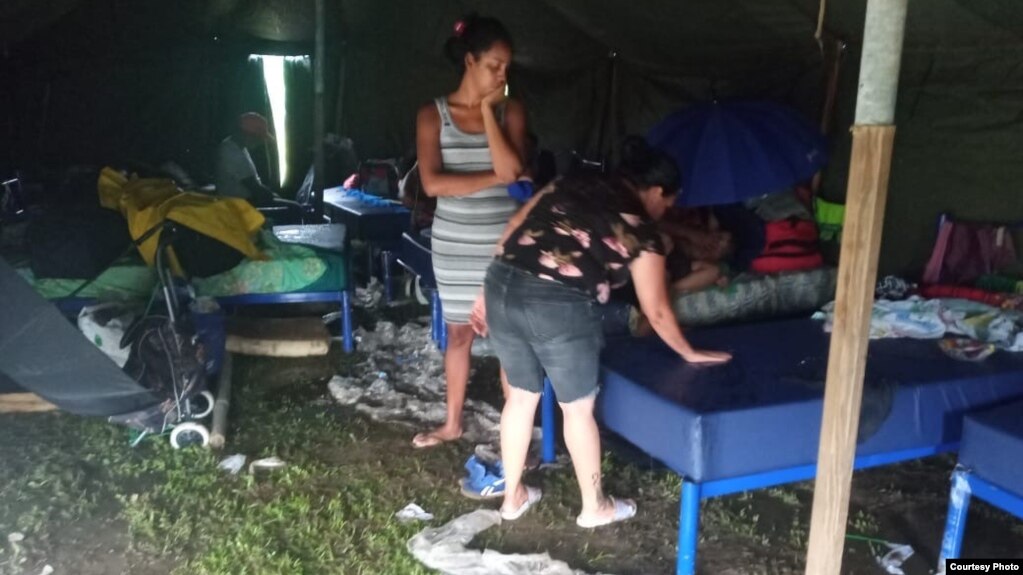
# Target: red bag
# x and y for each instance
(789, 245)
(962, 292)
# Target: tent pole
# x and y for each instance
(833, 51)
(867, 190)
(318, 110)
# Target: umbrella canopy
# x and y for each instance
(42, 352)
(730, 152)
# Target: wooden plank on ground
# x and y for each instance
(278, 337)
(24, 403)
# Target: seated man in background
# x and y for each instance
(236, 175)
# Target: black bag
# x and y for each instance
(200, 255)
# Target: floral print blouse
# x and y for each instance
(584, 234)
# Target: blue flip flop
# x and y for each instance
(484, 481)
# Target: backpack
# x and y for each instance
(380, 178)
(789, 245)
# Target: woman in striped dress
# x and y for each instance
(471, 145)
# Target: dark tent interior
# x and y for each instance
(96, 92)
(101, 82)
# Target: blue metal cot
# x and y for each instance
(755, 422)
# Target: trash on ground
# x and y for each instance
(232, 463)
(402, 381)
(892, 561)
(413, 512)
(266, 463)
(444, 549)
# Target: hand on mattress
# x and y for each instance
(707, 357)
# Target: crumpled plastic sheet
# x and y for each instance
(444, 549)
(370, 296)
(232, 464)
(402, 381)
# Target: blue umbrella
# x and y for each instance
(730, 152)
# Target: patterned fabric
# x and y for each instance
(466, 228)
(289, 268)
(125, 280)
(583, 233)
(920, 318)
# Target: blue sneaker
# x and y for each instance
(484, 481)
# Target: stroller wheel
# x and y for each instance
(188, 434)
(201, 405)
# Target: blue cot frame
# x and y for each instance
(438, 329)
(343, 297)
(965, 485)
(693, 492)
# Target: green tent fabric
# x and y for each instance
(100, 81)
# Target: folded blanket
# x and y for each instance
(920, 318)
(756, 296)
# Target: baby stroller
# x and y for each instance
(162, 387)
(168, 358)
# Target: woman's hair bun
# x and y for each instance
(474, 34)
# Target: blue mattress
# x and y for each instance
(761, 412)
(992, 446)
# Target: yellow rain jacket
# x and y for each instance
(146, 202)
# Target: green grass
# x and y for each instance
(330, 510)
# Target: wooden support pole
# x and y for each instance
(222, 405)
(319, 114)
(873, 140)
(832, 53)
(857, 273)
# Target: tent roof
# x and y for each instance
(87, 68)
(665, 33)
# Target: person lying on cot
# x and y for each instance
(556, 262)
(696, 249)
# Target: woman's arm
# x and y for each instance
(648, 277)
(508, 144)
(436, 182)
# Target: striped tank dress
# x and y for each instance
(466, 228)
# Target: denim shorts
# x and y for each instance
(540, 326)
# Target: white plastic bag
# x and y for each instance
(104, 325)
